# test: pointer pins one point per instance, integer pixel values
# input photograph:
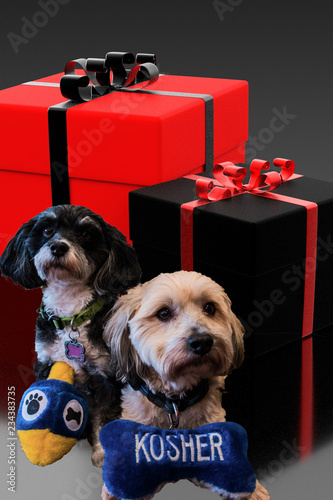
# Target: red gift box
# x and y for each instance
(112, 144)
(58, 149)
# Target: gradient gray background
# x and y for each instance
(282, 48)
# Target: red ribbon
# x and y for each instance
(229, 179)
(306, 399)
(228, 182)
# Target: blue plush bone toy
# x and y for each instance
(140, 459)
(52, 416)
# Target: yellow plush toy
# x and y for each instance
(52, 416)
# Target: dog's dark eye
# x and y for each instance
(85, 235)
(48, 231)
(209, 308)
(164, 314)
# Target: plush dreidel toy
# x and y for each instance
(52, 416)
(140, 459)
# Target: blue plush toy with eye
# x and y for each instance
(52, 416)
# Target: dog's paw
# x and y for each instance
(97, 456)
(260, 493)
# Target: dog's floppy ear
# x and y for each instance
(121, 270)
(16, 262)
(124, 358)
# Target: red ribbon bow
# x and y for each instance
(229, 179)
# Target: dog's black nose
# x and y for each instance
(201, 343)
(59, 248)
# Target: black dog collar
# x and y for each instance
(172, 404)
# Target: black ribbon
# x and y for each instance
(118, 71)
(103, 76)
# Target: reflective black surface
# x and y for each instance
(284, 399)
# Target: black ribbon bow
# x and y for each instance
(103, 76)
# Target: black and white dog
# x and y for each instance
(82, 264)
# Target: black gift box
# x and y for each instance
(255, 247)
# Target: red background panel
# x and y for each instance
(18, 320)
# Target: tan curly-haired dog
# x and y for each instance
(175, 337)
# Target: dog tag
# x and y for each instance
(74, 350)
